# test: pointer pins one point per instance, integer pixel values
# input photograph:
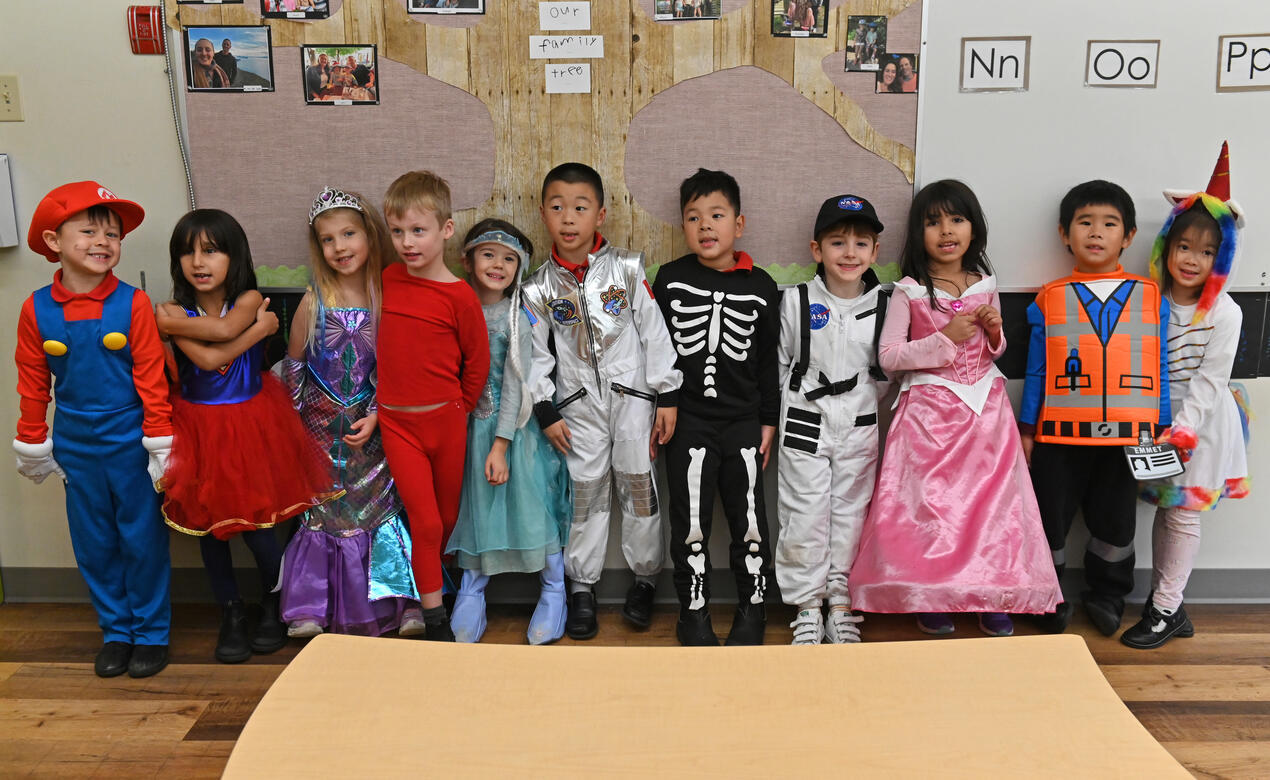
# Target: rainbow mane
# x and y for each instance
(1222, 264)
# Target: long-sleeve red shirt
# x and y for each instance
(432, 345)
(35, 380)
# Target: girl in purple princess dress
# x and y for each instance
(954, 525)
(347, 569)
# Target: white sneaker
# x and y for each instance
(411, 622)
(303, 629)
(808, 627)
(842, 627)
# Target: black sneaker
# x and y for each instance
(438, 632)
(638, 609)
(581, 623)
(1055, 622)
(1104, 611)
(147, 660)
(232, 646)
(1155, 628)
(112, 659)
(748, 625)
(694, 630)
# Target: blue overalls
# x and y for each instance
(120, 542)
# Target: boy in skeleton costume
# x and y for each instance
(829, 443)
(722, 314)
(604, 392)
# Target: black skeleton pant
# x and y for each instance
(1097, 480)
(706, 457)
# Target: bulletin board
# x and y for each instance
(461, 96)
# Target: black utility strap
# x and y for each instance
(884, 298)
(804, 339)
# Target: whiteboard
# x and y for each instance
(1021, 151)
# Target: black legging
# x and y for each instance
(220, 565)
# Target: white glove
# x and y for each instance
(159, 447)
(35, 461)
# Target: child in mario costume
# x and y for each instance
(93, 339)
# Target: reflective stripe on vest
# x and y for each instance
(1102, 363)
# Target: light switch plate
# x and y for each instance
(10, 98)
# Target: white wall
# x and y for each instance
(1021, 151)
(93, 111)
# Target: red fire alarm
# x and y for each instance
(145, 29)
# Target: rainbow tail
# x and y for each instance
(1245, 409)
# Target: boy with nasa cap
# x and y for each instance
(828, 437)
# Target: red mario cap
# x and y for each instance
(68, 200)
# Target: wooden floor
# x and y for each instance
(1206, 699)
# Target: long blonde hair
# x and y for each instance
(379, 255)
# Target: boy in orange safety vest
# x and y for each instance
(1096, 379)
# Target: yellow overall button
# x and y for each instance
(114, 341)
(54, 348)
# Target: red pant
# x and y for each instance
(425, 453)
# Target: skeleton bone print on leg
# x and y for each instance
(710, 329)
(697, 556)
(753, 562)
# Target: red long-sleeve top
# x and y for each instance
(432, 345)
(35, 381)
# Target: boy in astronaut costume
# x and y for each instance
(829, 426)
(605, 392)
(92, 340)
(723, 313)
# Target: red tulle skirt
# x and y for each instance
(238, 467)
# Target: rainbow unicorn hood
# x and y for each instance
(1230, 217)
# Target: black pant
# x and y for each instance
(1096, 480)
(220, 565)
(717, 447)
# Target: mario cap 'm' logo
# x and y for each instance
(850, 204)
(818, 316)
(105, 194)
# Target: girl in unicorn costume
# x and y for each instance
(1191, 260)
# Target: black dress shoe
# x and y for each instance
(1055, 622)
(694, 630)
(112, 659)
(748, 625)
(1104, 611)
(270, 634)
(147, 660)
(581, 623)
(232, 646)
(638, 609)
(1155, 628)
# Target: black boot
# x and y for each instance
(1155, 628)
(231, 645)
(147, 660)
(1055, 622)
(112, 659)
(1104, 611)
(271, 633)
(694, 629)
(581, 623)
(748, 625)
(436, 625)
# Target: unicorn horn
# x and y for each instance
(1219, 184)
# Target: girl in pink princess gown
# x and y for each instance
(954, 525)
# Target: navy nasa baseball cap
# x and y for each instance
(842, 208)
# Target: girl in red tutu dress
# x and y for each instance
(241, 460)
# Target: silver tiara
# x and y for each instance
(331, 198)
(504, 239)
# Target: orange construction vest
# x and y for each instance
(1102, 360)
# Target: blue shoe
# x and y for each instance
(467, 620)
(936, 623)
(547, 624)
(996, 624)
